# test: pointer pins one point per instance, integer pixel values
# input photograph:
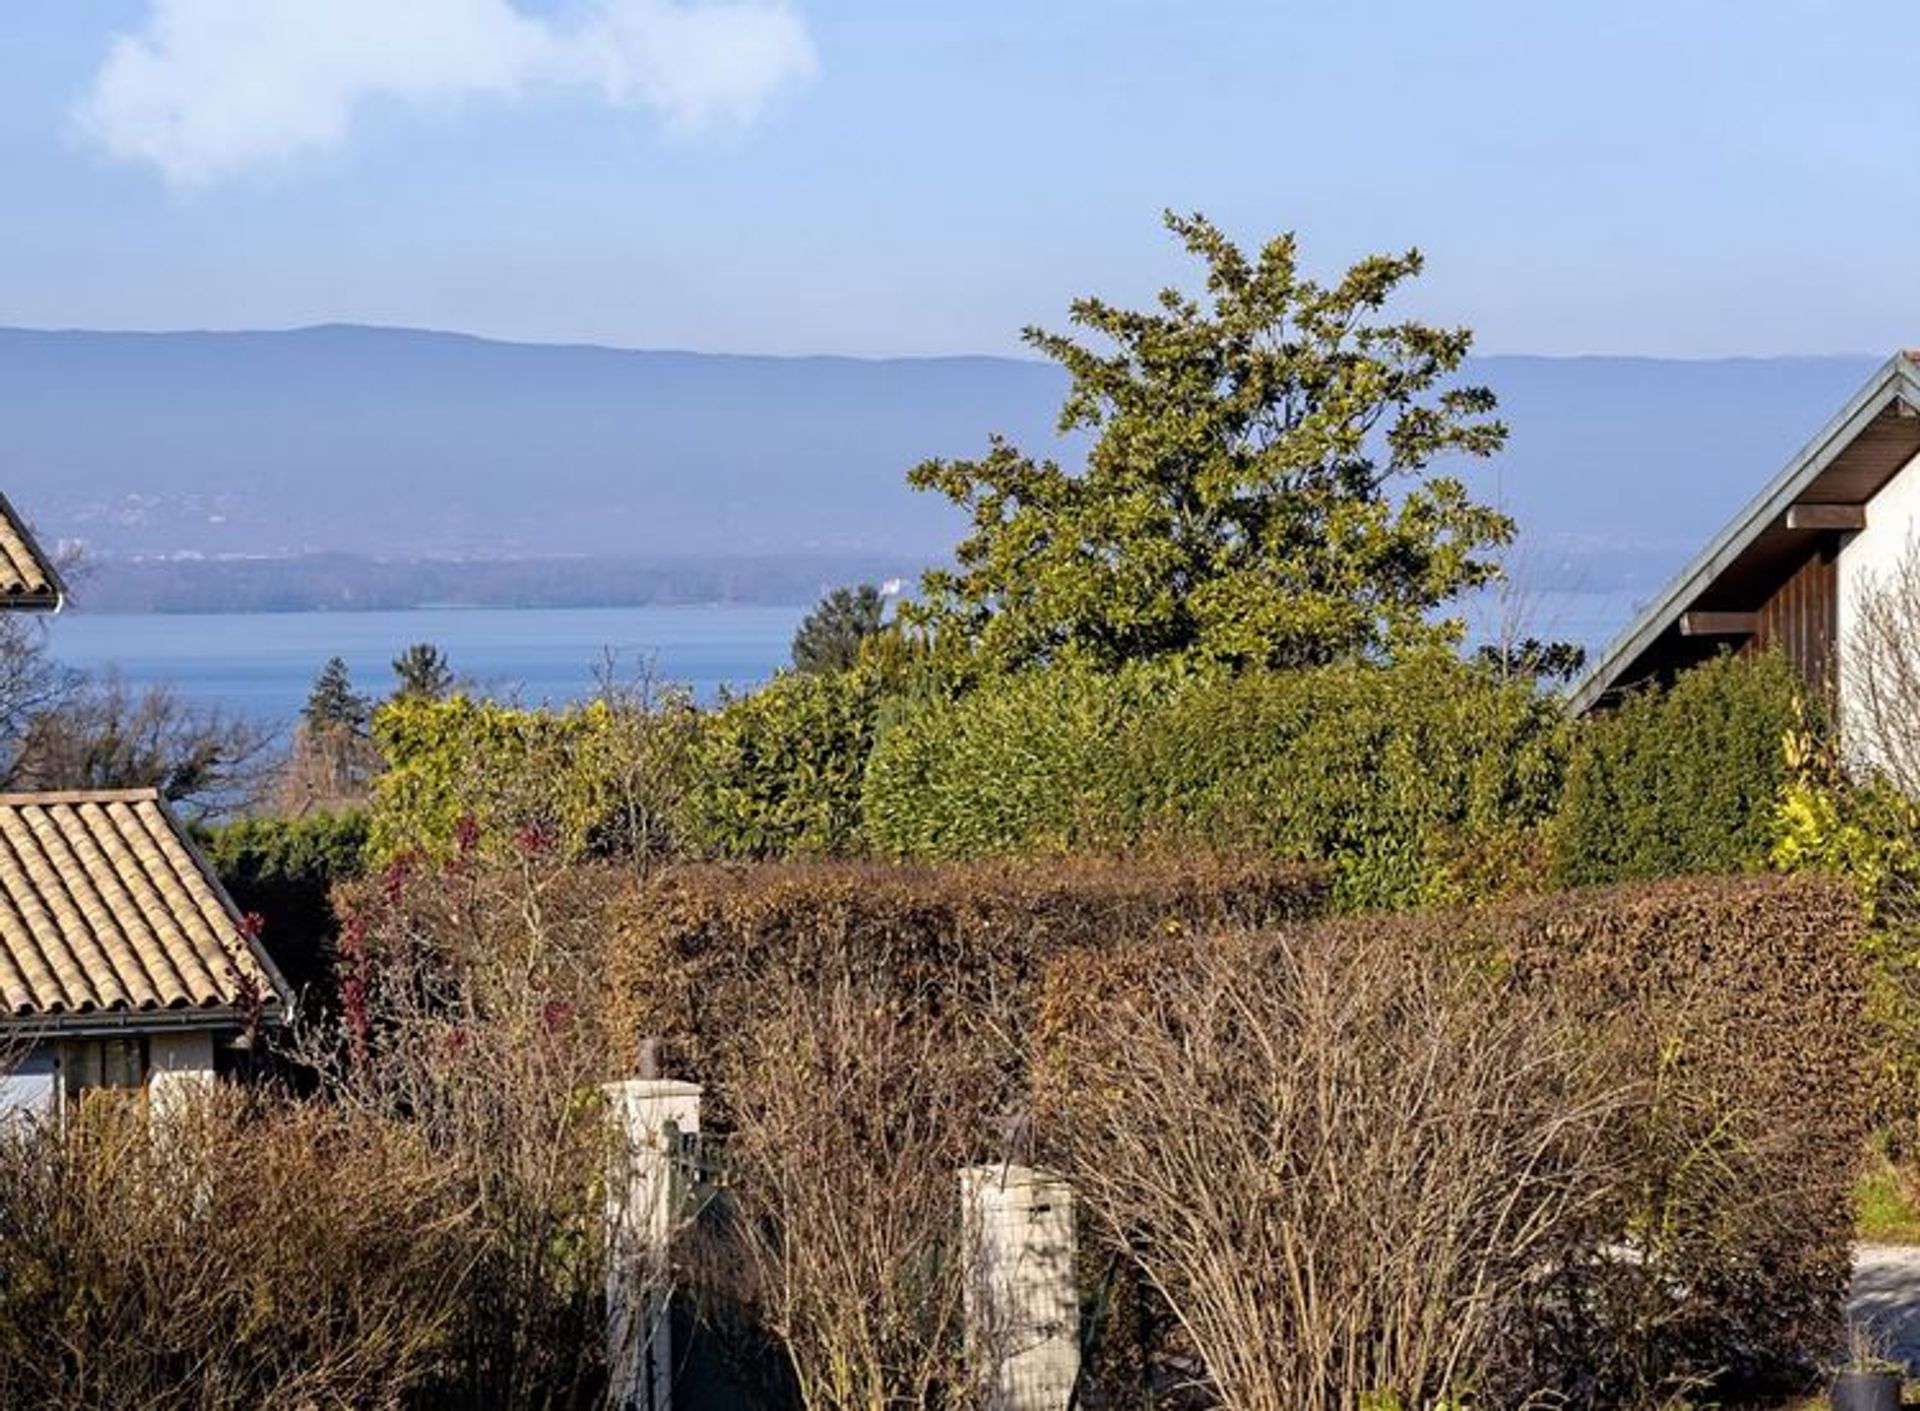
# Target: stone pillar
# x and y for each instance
(643, 1191)
(1023, 1304)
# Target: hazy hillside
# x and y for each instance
(406, 444)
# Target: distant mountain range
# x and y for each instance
(340, 446)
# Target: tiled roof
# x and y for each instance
(27, 579)
(106, 908)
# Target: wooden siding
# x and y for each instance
(1802, 617)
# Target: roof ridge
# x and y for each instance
(26, 798)
(1893, 383)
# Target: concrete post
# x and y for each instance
(1023, 1304)
(649, 1115)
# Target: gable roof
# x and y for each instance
(1847, 463)
(108, 910)
(28, 580)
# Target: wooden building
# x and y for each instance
(1786, 572)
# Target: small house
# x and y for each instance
(1788, 572)
(123, 961)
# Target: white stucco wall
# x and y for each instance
(1893, 524)
(175, 1063)
(179, 1065)
(30, 1083)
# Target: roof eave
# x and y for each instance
(102, 1023)
(1896, 380)
(55, 596)
(280, 991)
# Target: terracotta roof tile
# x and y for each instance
(28, 581)
(107, 907)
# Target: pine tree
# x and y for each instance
(829, 638)
(422, 672)
(333, 705)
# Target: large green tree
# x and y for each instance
(1256, 488)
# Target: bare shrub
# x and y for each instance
(1880, 674)
(852, 1113)
(860, 1029)
(104, 734)
(466, 1012)
(1339, 1162)
(32, 682)
(327, 768)
(653, 734)
(1596, 1147)
(293, 1256)
(1735, 1006)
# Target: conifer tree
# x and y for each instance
(333, 705)
(830, 637)
(422, 673)
(1257, 487)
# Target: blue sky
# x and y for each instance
(925, 176)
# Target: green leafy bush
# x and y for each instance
(1864, 831)
(283, 870)
(778, 773)
(1033, 763)
(1403, 778)
(1681, 780)
(461, 773)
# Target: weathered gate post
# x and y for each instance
(650, 1115)
(1023, 1306)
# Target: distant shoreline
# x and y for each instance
(713, 605)
(349, 583)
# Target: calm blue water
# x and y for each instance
(262, 664)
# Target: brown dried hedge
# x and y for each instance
(1738, 1003)
(1713, 1244)
(695, 943)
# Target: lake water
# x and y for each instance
(262, 664)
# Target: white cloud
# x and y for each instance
(210, 86)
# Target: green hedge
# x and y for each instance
(778, 773)
(1403, 778)
(461, 767)
(774, 773)
(1040, 762)
(284, 870)
(1682, 780)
